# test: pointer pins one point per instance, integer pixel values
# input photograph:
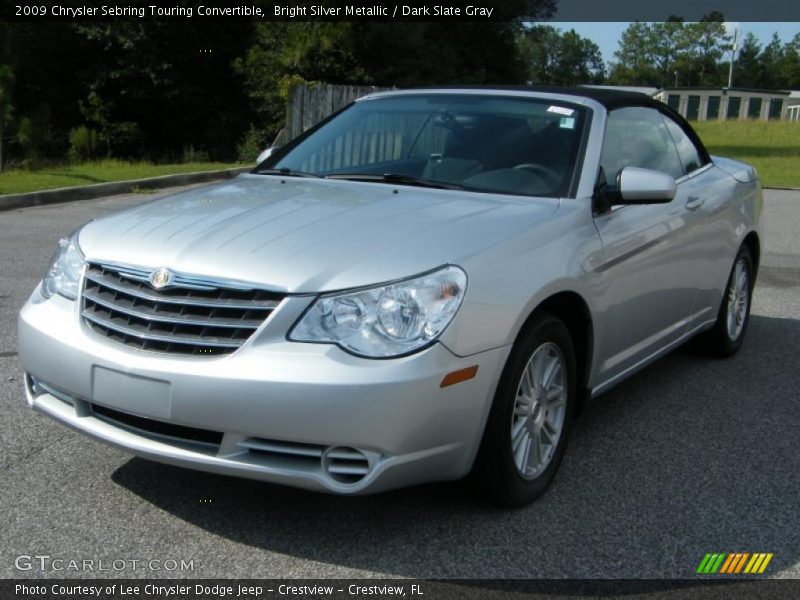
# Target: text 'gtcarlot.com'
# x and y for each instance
(46, 562)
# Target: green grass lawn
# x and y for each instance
(773, 147)
(17, 181)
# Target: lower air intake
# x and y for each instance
(345, 465)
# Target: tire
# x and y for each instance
(507, 468)
(725, 338)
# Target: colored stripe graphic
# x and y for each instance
(728, 563)
(755, 563)
(718, 564)
(731, 562)
(703, 563)
(764, 564)
(710, 564)
(741, 562)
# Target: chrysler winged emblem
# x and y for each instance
(160, 278)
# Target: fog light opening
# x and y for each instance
(345, 465)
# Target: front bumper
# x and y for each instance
(306, 415)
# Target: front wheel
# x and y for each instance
(528, 425)
(727, 335)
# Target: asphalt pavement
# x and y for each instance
(692, 455)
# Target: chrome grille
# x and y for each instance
(192, 316)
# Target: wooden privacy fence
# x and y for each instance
(310, 103)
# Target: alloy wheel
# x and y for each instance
(539, 410)
(738, 300)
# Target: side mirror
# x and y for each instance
(266, 154)
(644, 186)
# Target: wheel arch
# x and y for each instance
(573, 310)
(753, 243)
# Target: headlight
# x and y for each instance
(389, 320)
(64, 273)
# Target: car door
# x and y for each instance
(650, 276)
(708, 191)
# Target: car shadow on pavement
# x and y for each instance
(692, 455)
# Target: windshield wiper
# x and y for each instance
(396, 178)
(286, 172)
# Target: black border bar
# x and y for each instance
(395, 10)
(705, 588)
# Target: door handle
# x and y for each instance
(694, 202)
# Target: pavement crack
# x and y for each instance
(11, 463)
(7, 354)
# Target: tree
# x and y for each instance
(159, 87)
(771, 59)
(774, 66)
(790, 67)
(667, 42)
(557, 58)
(6, 82)
(380, 53)
(703, 46)
(152, 89)
(747, 66)
(633, 65)
(672, 52)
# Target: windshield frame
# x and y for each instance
(575, 102)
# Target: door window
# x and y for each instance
(690, 155)
(638, 137)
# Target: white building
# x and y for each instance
(793, 108)
(721, 104)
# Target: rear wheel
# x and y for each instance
(727, 335)
(529, 423)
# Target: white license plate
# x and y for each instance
(131, 393)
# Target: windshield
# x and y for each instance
(485, 143)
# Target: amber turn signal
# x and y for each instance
(459, 376)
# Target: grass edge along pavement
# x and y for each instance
(20, 181)
(13, 201)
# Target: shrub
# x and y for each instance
(83, 144)
(190, 155)
(252, 144)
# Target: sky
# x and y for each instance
(606, 35)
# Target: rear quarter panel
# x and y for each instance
(733, 209)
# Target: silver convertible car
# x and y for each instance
(428, 284)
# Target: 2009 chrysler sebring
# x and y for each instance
(428, 283)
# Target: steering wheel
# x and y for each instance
(549, 175)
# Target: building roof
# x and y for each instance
(727, 90)
(650, 91)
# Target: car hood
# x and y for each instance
(302, 235)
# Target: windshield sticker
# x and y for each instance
(567, 123)
(560, 110)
